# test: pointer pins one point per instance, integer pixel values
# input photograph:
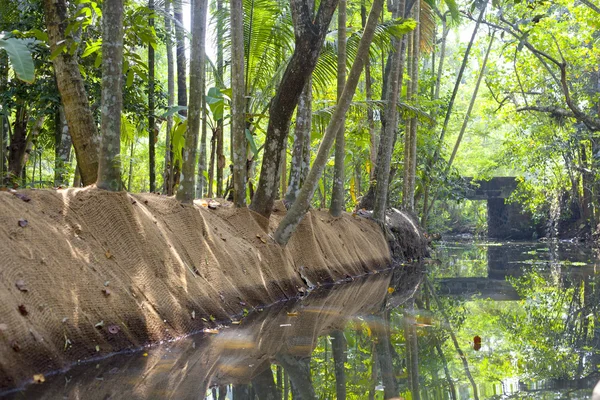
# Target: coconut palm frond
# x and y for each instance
(427, 26)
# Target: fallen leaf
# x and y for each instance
(20, 284)
(145, 355)
(114, 329)
(23, 310)
(99, 324)
(194, 314)
(213, 331)
(106, 292)
(23, 223)
(285, 325)
(39, 378)
(107, 254)
(213, 205)
(15, 346)
(292, 314)
(97, 348)
(391, 290)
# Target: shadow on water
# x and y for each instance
(479, 321)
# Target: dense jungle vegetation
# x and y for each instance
(337, 104)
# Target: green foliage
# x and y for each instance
(19, 55)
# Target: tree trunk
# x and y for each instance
(337, 194)
(211, 164)
(410, 136)
(82, 127)
(238, 104)
(4, 128)
(412, 351)
(394, 85)
(109, 167)
(181, 77)
(339, 349)
(301, 149)
(187, 188)
(265, 387)
(201, 183)
(151, 125)
(298, 369)
(18, 147)
(220, 160)
(168, 173)
(309, 41)
(369, 95)
(62, 148)
(384, 356)
(302, 203)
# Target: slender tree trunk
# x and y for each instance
(220, 160)
(130, 175)
(211, 164)
(265, 386)
(391, 123)
(238, 104)
(302, 203)
(168, 173)
(384, 356)
(310, 30)
(82, 127)
(339, 349)
(18, 146)
(109, 167)
(151, 124)
(337, 194)
(201, 183)
(4, 128)
(410, 136)
(440, 68)
(369, 95)
(298, 370)
(62, 148)
(181, 77)
(187, 188)
(301, 150)
(77, 177)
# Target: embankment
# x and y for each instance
(85, 273)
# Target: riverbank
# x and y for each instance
(86, 273)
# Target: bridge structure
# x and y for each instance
(506, 221)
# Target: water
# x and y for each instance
(503, 320)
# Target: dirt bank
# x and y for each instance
(85, 272)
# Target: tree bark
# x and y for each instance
(265, 387)
(151, 124)
(109, 167)
(17, 147)
(238, 104)
(4, 128)
(62, 148)
(187, 188)
(181, 64)
(301, 149)
(309, 40)
(168, 173)
(410, 135)
(82, 127)
(394, 85)
(298, 370)
(339, 349)
(201, 182)
(337, 194)
(300, 207)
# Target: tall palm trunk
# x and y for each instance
(369, 96)
(168, 173)
(109, 168)
(201, 182)
(82, 127)
(4, 128)
(310, 30)
(62, 148)
(300, 207)
(181, 75)
(238, 106)
(410, 136)
(337, 194)
(151, 125)
(390, 126)
(186, 191)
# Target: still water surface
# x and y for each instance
(481, 320)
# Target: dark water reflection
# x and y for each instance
(487, 321)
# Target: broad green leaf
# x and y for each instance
(173, 110)
(251, 142)
(19, 56)
(91, 48)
